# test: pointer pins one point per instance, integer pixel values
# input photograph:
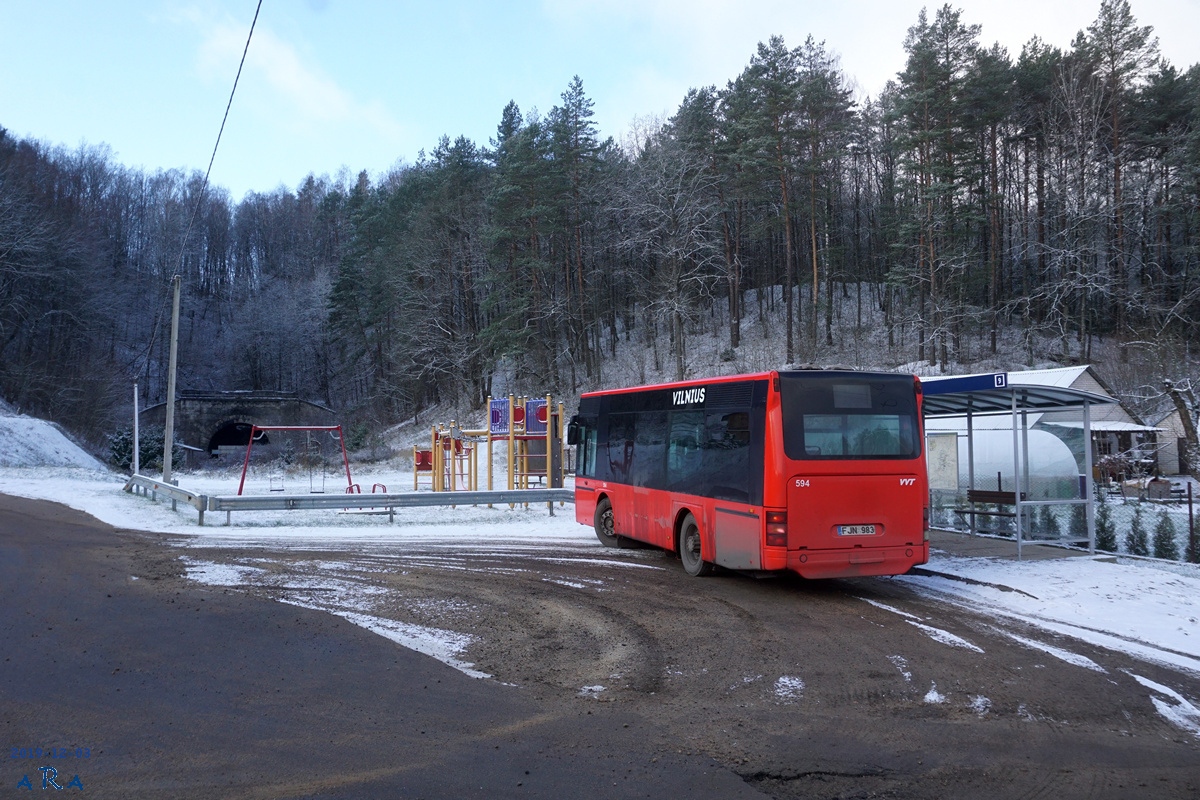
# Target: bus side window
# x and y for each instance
(684, 457)
(588, 462)
(620, 446)
(727, 458)
(585, 435)
(648, 449)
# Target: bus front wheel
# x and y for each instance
(689, 549)
(605, 523)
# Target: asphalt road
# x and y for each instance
(614, 675)
(171, 689)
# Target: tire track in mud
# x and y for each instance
(538, 626)
(705, 659)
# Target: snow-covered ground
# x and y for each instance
(30, 442)
(1147, 609)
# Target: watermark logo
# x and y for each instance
(50, 777)
(50, 780)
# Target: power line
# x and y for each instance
(204, 186)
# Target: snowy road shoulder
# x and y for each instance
(1149, 612)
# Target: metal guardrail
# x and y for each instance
(290, 502)
(388, 503)
(149, 487)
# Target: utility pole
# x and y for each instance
(136, 444)
(169, 433)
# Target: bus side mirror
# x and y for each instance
(574, 433)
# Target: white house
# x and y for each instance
(1172, 447)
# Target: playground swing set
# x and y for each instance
(532, 428)
(310, 455)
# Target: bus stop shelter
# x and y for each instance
(966, 398)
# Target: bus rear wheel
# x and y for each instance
(689, 549)
(605, 524)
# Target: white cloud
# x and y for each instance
(277, 72)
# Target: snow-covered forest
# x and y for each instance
(987, 210)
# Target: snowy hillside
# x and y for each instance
(30, 442)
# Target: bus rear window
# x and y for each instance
(844, 416)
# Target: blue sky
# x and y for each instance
(366, 84)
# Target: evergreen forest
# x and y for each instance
(987, 209)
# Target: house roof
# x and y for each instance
(1107, 425)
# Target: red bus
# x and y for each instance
(817, 472)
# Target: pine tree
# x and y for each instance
(932, 105)
(1136, 542)
(1106, 534)
(768, 91)
(1124, 52)
(1077, 527)
(1164, 538)
(1191, 552)
(1048, 524)
(826, 113)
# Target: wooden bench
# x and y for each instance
(991, 497)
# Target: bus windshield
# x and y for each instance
(842, 416)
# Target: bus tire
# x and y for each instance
(690, 551)
(605, 522)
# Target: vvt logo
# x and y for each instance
(907, 481)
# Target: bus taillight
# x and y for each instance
(925, 521)
(776, 529)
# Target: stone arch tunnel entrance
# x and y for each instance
(234, 435)
(219, 423)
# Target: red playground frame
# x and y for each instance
(254, 429)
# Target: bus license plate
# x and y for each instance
(856, 530)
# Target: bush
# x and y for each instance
(1136, 541)
(1164, 538)
(357, 436)
(150, 449)
(1004, 526)
(1106, 533)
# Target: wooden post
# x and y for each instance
(489, 444)
(1192, 523)
(512, 461)
(549, 449)
(562, 444)
(169, 433)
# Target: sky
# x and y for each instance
(367, 84)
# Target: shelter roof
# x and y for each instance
(992, 393)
